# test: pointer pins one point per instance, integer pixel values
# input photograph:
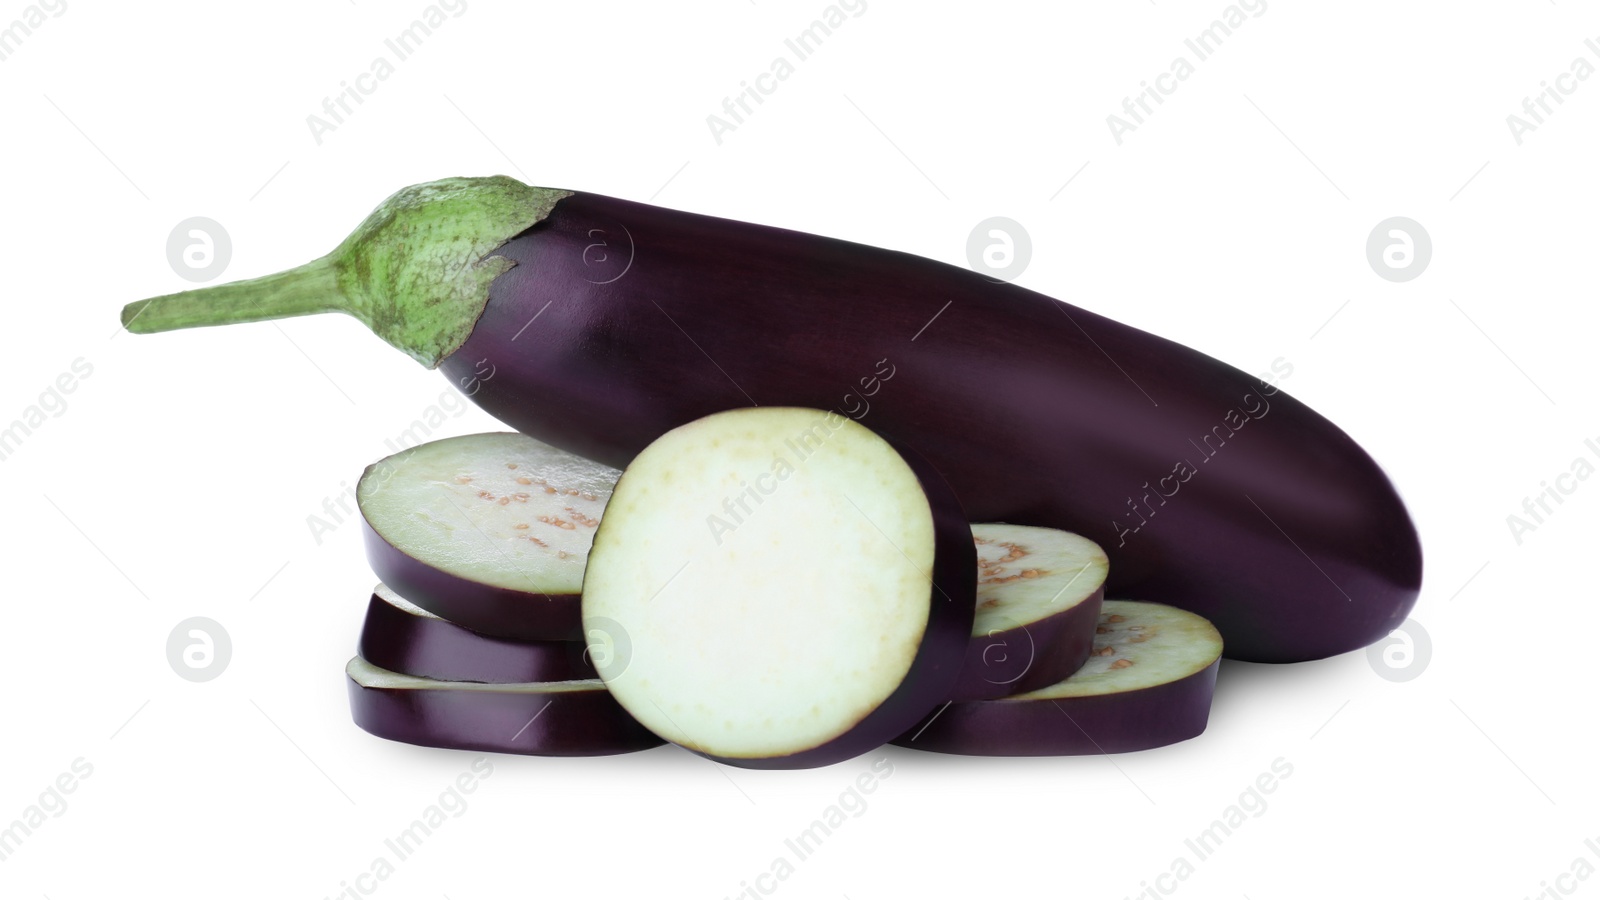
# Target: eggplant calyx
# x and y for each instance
(416, 271)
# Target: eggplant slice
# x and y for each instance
(1039, 596)
(553, 718)
(1147, 683)
(490, 531)
(405, 638)
(792, 590)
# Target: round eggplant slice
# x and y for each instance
(490, 531)
(1039, 596)
(779, 588)
(1148, 683)
(405, 638)
(551, 718)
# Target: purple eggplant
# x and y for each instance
(779, 588)
(558, 718)
(489, 531)
(405, 638)
(1039, 595)
(599, 324)
(1147, 684)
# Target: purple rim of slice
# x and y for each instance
(489, 531)
(564, 718)
(405, 638)
(1148, 683)
(781, 587)
(1039, 596)
(486, 609)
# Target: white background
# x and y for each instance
(179, 478)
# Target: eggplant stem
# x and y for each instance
(416, 272)
(301, 291)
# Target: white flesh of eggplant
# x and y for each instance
(1142, 645)
(1026, 574)
(771, 572)
(501, 509)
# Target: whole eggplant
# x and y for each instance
(597, 324)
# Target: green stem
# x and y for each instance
(416, 272)
(302, 291)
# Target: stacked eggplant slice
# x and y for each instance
(766, 587)
(472, 639)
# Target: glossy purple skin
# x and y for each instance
(1074, 726)
(1288, 535)
(484, 608)
(404, 642)
(1029, 656)
(578, 723)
